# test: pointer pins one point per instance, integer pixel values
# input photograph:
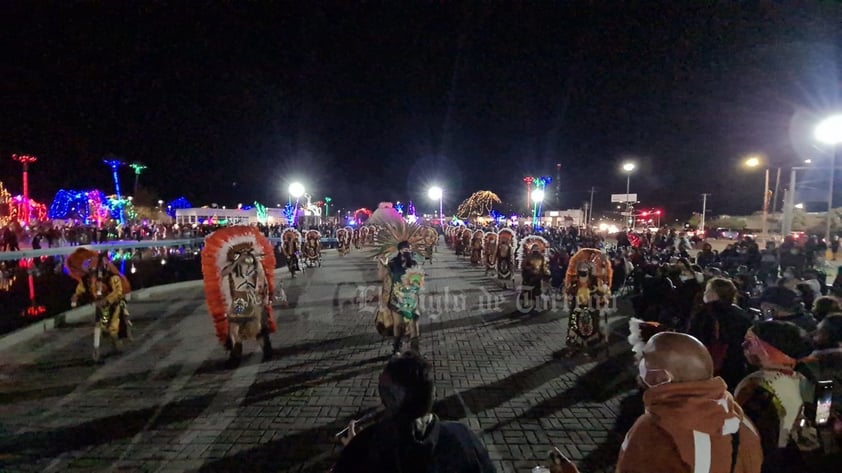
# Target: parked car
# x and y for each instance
(726, 233)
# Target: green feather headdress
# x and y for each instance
(390, 234)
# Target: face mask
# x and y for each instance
(643, 371)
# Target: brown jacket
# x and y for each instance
(687, 428)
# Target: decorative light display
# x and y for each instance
(410, 209)
(289, 212)
(26, 210)
(328, 200)
(541, 184)
(179, 203)
(115, 164)
(87, 206)
(137, 168)
(479, 203)
(5, 203)
(262, 213)
(25, 162)
(399, 207)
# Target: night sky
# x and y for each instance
(229, 102)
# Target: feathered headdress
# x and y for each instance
(84, 260)
(290, 233)
(507, 235)
(313, 234)
(390, 235)
(596, 261)
(218, 253)
(526, 247)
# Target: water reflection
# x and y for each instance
(34, 288)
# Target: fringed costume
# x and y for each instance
(102, 284)
(588, 288)
(238, 271)
(343, 240)
(535, 269)
(489, 251)
(505, 259)
(476, 247)
(431, 238)
(313, 248)
(465, 242)
(292, 249)
(403, 279)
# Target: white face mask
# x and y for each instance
(643, 370)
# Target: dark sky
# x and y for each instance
(230, 101)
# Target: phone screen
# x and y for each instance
(824, 398)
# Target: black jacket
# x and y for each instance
(446, 447)
(733, 323)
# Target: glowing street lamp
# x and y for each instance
(296, 189)
(436, 193)
(628, 168)
(829, 132)
(754, 162)
(538, 196)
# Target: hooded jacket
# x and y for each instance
(429, 445)
(687, 428)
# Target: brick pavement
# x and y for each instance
(168, 404)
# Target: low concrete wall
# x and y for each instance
(86, 312)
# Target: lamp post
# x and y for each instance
(115, 164)
(537, 198)
(753, 162)
(528, 180)
(435, 193)
(829, 132)
(25, 161)
(628, 168)
(296, 190)
(328, 200)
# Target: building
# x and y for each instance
(563, 218)
(207, 215)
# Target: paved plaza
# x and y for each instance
(169, 404)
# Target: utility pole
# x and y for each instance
(704, 210)
(590, 208)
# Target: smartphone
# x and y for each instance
(824, 399)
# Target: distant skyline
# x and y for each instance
(231, 102)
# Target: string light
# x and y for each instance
(179, 203)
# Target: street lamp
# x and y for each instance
(296, 190)
(434, 193)
(628, 168)
(829, 132)
(753, 162)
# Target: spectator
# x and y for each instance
(772, 396)
(825, 305)
(721, 326)
(410, 438)
(782, 304)
(691, 421)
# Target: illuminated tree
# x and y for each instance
(478, 204)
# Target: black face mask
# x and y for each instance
(582, 274)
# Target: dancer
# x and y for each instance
(505, 256)
(398, 311)
(313, 249)
(489, 251)
(292, 246)
(535, 269)
(238, 270)
(102, 284)
(476, 247)
(588, 287)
